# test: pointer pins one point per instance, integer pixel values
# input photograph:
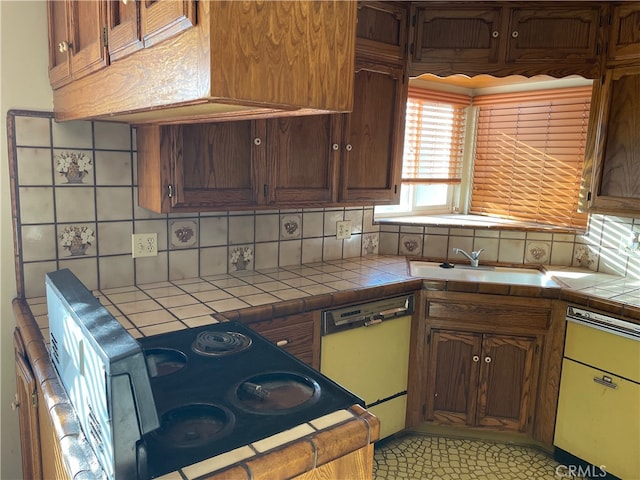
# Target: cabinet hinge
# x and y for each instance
(105, 37)
(265, 189)
(598, 49)
(424, 409)
(395, 189)
(34, 400)
(414, 19)
(428, 338)
(529, 420)
(537, 349)
(170, 191)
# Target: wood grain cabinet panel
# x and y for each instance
(374, 135)
(179, 61)
(124, 34)
(382, 30)
(303, 154)
(492, 361)
(624, 36)
(76, 43)
(297, 334)
(615, 144)
(507, 38)
(27, 404)
(199, 167)
(480, 379)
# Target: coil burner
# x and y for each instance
(215, 344)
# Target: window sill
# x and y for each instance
(477, 222)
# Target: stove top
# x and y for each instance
(223, 386)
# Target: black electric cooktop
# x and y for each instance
(222, 386)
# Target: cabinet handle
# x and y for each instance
(257, 141)
(487, 359)
(349, 147)
(495, 34)
(605, 381)
(15, 404)
(63, 46)
(475, 358)
(515, 34)
(282, 343)
(335, 147)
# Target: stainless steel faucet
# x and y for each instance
(473, 258)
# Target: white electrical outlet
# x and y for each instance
(144, 245)
(343, 229)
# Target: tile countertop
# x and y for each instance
(155, 308)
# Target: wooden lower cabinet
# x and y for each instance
(297, 334)
(355, 465)
(480, 380)
(490, 361)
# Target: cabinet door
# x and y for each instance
(26, 401)
(87, 46)
(59, 65)
(566, 33)
(457, 35)
(303, 155)
(161, 19)
(615, 183)
(374, 135)
(216, 164)
(624, 38)
(123, 28)
(506, 378)
(381, 30)
(453, 376)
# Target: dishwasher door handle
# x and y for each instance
(605, 381)
(371, 323)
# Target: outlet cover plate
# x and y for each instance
(144, 245)
(343, 229)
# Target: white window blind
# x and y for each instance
(529, 154)
(434, 137)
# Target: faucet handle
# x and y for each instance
(477, 253)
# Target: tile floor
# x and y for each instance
(419, 456)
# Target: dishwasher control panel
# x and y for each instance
(367, 314)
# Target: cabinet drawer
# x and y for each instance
(490, 314)
(294, 334)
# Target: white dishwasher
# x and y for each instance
(598, 418)
(365, 348)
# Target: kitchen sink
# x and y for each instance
(484, 274)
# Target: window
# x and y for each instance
(524, 158)
(529, 156)
(433, 149)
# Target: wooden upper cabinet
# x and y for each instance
(140, 24)
(77, 46)
(302, 159)
(382, 30)
(123, 29)
(508, 38)
(468, 34)
(569, 33)
(624, 37)
(200, 167)
(161, 19)
(180, 61)
(374, 135)
(613, 159)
